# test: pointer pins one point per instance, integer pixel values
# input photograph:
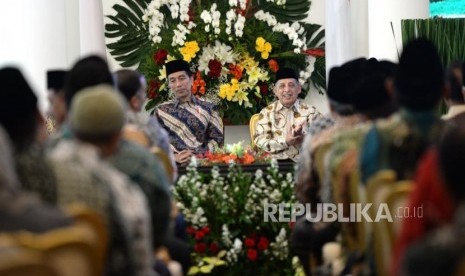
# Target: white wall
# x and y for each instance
(39, 35)
(382, 44)
(34, 38)
(317, 15)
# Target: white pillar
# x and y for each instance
(382, 44)
(91, 29)
(338, 37)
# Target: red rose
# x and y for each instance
(154, 86)
(249, 243)
(263, 88)
(252, 254)
(205, 230)
(215, 68)
(160, 56)
(200, 247)
(263, 243)
(214, 247)
(190, 230)
(199, 235)
(291, 224)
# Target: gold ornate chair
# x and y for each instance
(164, 159)
(131, 133)
(69, 251)
(24, 262)
(253, 127)
(384, 188)
(396, 200)
(83, 214)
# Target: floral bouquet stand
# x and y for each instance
(227, 228)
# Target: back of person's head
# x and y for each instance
(18, 107)
(56, 80)
(371, 94)
(454, 81)
(451, 159)
(340, 85)
(88, 71)
(419, 80)
(128, 82)
(97, 113)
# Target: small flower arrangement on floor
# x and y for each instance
(226, 224)
(234, 153)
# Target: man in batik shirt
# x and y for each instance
(281, 125)
(193, 125)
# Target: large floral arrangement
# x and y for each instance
(226, 221)
(234, 47)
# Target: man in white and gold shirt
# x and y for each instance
(281, 125)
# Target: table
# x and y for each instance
(285, 166)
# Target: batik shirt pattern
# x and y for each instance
(274, 122)
(194, 125)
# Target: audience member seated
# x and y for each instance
(443, 251)
(455, 91)
(56, 96)
(308, 238)
(281, 125)
(131, 159)
(193, 125)
(96, 117)
(133, 86)
(21, 210)
(21, 118)
(430, 192)
(340, 92)
(398, 142)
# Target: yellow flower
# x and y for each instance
(257, 74)
(234, 85)
(265, 55)
(248, 62)
(189, 50)
(240, 97)
(226, 91)
(263, 47)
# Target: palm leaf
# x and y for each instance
(293, 10)
(127, 25)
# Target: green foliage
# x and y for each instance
(448, 35)
(228, 211)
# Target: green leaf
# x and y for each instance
(193, 270)
(207, 269)
(126, 14)
(137, 9)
